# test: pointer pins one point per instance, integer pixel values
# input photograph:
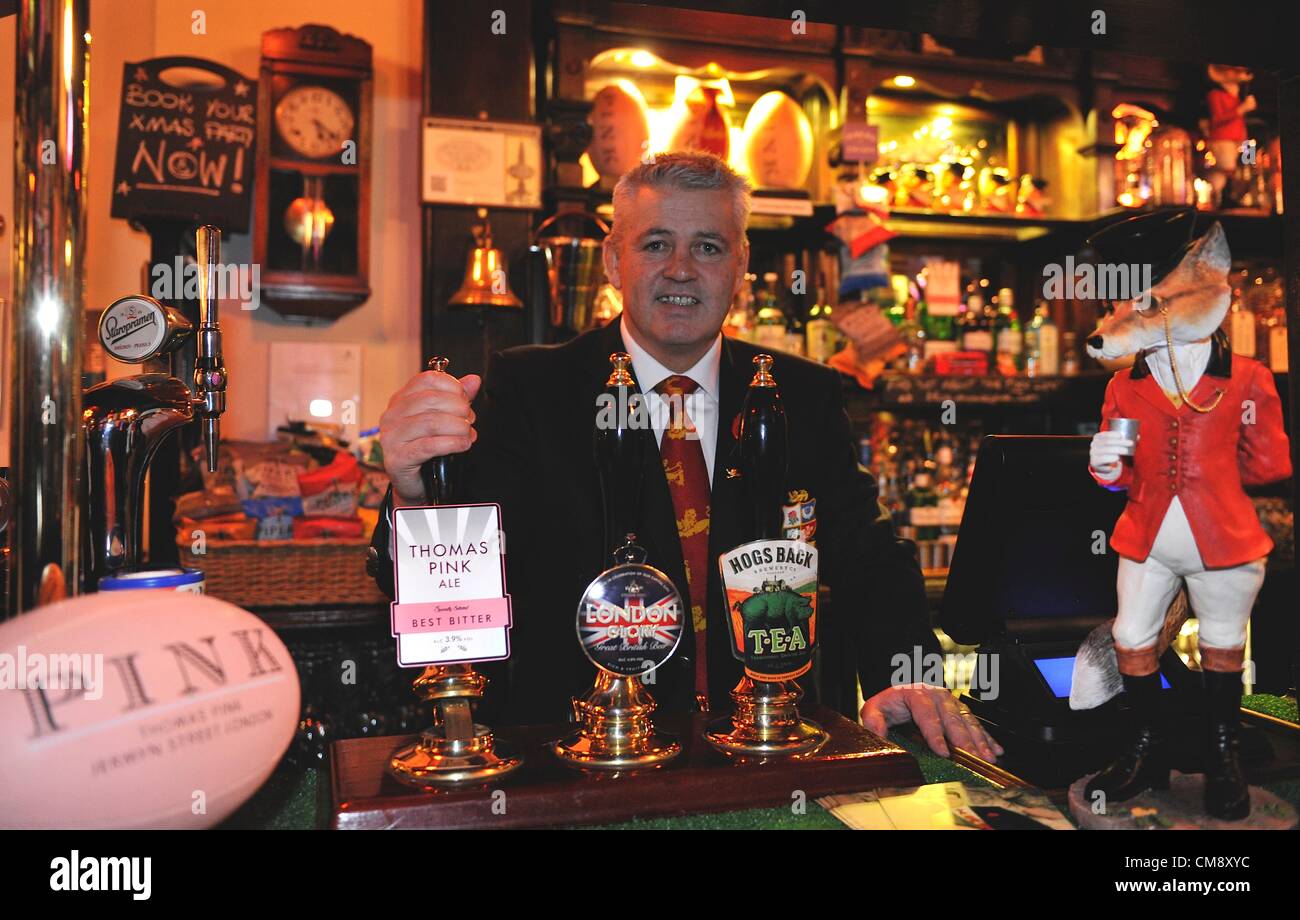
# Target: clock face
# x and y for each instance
(314, 121)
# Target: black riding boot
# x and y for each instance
(1227, 796)
(1144, 762)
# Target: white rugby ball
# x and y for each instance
(778, 142)
(139, 709)
(620, 129)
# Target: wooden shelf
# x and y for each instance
(927, 391)
(1083, 392)
(1248, 233)
(920, 222)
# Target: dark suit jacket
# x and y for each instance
(535, 416)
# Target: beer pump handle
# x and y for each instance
(436, 473)
(764, 450)
(209, 372)
(620, 454)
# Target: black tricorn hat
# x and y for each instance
(1159, 239)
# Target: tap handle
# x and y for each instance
(209, 371)
(437, 474)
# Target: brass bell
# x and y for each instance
(485, 283)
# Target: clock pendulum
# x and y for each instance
(308, 220)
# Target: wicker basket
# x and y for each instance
(286, 573)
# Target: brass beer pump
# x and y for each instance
(455, 750)
(766, 719)
(616, 732)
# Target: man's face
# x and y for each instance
(679, 261)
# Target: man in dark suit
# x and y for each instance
(678, 254)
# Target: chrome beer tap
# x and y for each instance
(209, 371)
(127, 419)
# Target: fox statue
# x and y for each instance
(1209, 422)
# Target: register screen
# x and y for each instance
(1059, 671)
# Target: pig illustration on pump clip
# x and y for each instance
(1208, 423)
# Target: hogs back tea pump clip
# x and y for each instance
(451, 620)
(630, 616)
(770, 590)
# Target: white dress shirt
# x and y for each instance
(1192, 360)
(701, 406)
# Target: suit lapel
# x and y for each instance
(1218, 372)
(1150, 390)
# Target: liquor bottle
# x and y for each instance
(894, 500)
(913, 337)
(820, 333)
(963, 323)
(977, 335)
(769, 320)
(947, 483)
(923, 505)
(740, 319)
(1241, 326)
(792, 302)
(1048, 342)
(938, 331)
(989, 323)
(1269, 306)
(1009, 341)
(898, 310)
(1278, 360)
(1033, 357)
(796, 342)
(1069, 354)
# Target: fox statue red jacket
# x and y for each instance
(1203, 458)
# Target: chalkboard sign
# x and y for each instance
(185, 148)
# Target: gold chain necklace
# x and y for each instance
(1178, 380)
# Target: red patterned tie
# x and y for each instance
(688, 483)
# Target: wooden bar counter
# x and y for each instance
(545, 792)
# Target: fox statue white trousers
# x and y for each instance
(1221, 599)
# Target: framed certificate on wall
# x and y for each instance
(491, 164)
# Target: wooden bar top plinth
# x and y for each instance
(545, 792)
